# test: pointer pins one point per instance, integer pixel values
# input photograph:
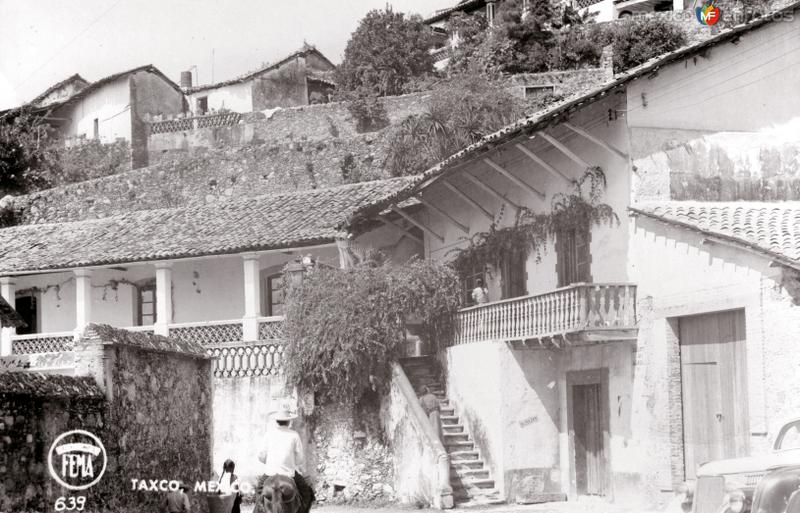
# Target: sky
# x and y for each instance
(45, 41)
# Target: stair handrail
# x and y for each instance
(445, 492)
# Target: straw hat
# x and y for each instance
(284, 413)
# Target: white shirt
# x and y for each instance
(284, 452)
(227, 484)
(480, 295)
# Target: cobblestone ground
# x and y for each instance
(564, 507)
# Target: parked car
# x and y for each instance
(755, 484)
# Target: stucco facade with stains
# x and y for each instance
(702, 132)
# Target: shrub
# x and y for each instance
(345, 327)
(459, 113)
(638, 40)
(367, 110)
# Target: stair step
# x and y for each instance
(466, 455)
(453, 428)
(472, 473)
(476, 494)
(470, 483)
(450, 438)
(463, 465)
(478, 502)
(449, 419)
(459, 446)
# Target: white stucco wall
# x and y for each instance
(235, 97)
(108, 104)
(608, 244)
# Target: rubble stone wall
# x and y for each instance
(28, 426)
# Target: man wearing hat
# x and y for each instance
(178, 501)
(283, 453)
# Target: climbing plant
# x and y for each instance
(345, 327)
(531, 231)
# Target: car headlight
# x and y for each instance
(734, 501)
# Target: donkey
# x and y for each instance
(279, 494)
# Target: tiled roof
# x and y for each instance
(9, 318)
(267, 222)
(74, 78)
(48, 385)
(769, 228)
(143, 340)
(306, 49)
(463, 6)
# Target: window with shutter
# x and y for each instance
(469, 282)
(573, 256)
(146, 304)
(514, 276)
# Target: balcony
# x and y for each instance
(579, 314)
(223, 340)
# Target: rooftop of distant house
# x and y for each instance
(90, 88)
(465, 6)
(302, 52)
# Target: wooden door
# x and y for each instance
(714, 385)
(514, 276)
(588, 426)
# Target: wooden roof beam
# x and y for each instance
(514, 179)
(464, 228)
(563, 149)
(491, 191)
(597, 141)
(406, 232)
(458, 192)
(534, 157)
(417, 224)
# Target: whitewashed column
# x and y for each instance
(163, 298)
(252, 296)
(83, 299)
(8, 289)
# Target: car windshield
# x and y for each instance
(789, 437)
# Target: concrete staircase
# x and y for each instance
(469, 475)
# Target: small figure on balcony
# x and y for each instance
(480, 294)
(430, 404)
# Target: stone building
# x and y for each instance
(301, 78)
(620, 356)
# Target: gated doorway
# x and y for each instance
(588, 431)
(714, 387)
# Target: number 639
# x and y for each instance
(70, 503)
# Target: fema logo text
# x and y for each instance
(77, 460)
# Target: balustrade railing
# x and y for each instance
(42, 343)
(195, 122)
(207, 332)
(246, 359)
(579, 307)
(270, 328)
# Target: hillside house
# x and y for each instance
(620, 357)
(111, 108)
(604, 10)
(301, 78)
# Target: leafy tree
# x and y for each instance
(345, 327)
(385, 51)
(27, 156)
(459, 113)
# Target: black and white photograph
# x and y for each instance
(492, 256)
